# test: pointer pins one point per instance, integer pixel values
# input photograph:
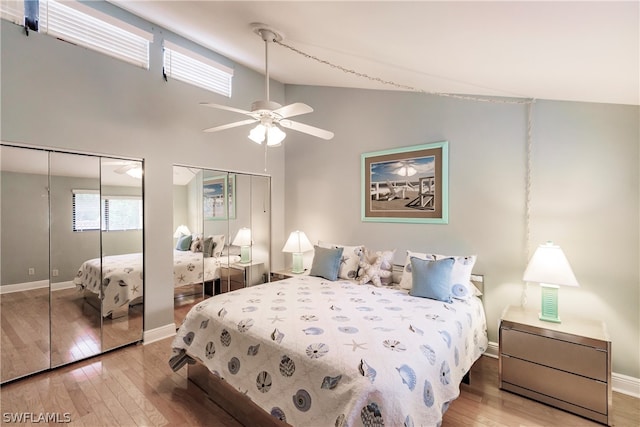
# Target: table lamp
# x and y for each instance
(243, 239)
(182, 230)
(549, 267)
(297, 244)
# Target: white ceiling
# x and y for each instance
(578, 51)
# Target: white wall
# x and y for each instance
(584, 195)
(58, 95)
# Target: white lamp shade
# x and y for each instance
(297, 243)
(243, 238)
(272, 133)
(182, 230)
(257, 134)
(549, 265)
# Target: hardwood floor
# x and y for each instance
(134, 386)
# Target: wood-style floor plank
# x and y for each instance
(134, 386)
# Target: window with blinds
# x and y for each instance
(86, 210)
(80, 24)
(12, 10)
(187, 66)
(109, 213)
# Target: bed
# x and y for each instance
(309, 351)
(123, 277)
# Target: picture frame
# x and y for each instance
(219, 196)
(407, 184)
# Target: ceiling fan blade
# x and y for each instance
(225, 107)
(230, 125)
(311, 130)
(295, 109)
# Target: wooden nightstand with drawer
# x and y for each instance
(566, 365)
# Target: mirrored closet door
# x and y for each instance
(24, 273)
(72, 257)
(226, 216)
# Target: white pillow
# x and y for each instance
(461, 286)
(349, 264)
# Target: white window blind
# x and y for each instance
(188, 66)
(86, 210)
(82, 25)
(109, 213)
(12, 10)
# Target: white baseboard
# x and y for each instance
(158, 334)
(26, 286)
(620, 383)
(62, 285)
(625, 384)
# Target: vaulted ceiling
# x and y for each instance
(578, 51)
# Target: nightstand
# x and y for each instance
(566, 365)
(285, 274)
(241, 275)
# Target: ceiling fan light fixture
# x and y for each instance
(135, 172)
(275, 136)
(257, 134)
(269, 132)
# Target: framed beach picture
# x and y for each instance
(408, 184)
(219, 195)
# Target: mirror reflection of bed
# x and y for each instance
(60, 210)
(210, 207)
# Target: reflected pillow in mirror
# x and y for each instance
(218, 245)
(196, 245)
(207, 247)
(184, 243)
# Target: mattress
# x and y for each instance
(123, 275)
(315, 352)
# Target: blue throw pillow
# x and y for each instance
(184, 243)
(431, 278)
(326, 262)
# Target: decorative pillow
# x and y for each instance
(461, 286)
(350, 259)
(386, 265)
(432, 278)
(372, 269)
(184, 242)
(326, 262)
(218, 240)
(406, 282)
(196, 244)
(207, 246)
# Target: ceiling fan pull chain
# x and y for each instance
(398, 85)
(265, 156)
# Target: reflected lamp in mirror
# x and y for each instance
(297, 244)
(182, 230)
(550, 268)
(243, 239)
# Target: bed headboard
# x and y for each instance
(476, 279)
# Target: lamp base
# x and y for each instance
(549, 303)
(245, 254)
(297, 267)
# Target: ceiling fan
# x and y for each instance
(130, 167)
(270, 115)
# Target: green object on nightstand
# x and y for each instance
(549, 303)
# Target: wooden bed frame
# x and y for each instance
(94, 301)
(243, 409)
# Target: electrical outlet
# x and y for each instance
(32, 271)
(55, 272)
